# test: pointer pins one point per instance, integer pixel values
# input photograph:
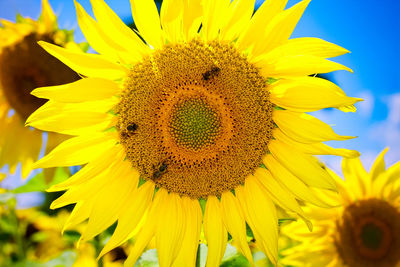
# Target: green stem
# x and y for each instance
(17, 234)
(97, 245)
(198, 257)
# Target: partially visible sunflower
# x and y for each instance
(209, 108)
(24, 65)
(364, 232)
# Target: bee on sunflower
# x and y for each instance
(195, 122)
(364, 231)
(24, 65)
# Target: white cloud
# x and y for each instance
(387, 132)
(366, 107)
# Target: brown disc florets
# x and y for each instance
(195, 118)
(369, 234)
(25, 66)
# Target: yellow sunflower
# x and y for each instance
(364, 232)
(202, 107)
(24, 65)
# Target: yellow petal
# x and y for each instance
(214, 14)
(73, 118)
(95, 35)
(89, 65)
(356, 177)
(48, 16)
(77, 150)
(393, 173)
(214, 231)
(292, 183)
(301, 165)
(93, 168)
(263, 16)
(305, 128)
(280, 28)
(308, 94)
(130, 216)
(118, 31)
(169, 233)
(238, 14)
(234, 221)
(279, 195)
(86, 191)
(379, 165)
(171, 19)
(315, 148)
(296, 66)
(80, 213)
(148, 230)
(192, 12)
(310, 46)
(261, 216)
(146, 18)
(187, 254)
(110, 199)
(89, 89)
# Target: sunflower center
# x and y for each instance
(369, 232)
(194, 124)
(25, 66)
(195, 118)
(372, 234)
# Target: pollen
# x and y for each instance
(202, 118)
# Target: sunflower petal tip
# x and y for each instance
(353, 154)
(53, 206)
(52, 188)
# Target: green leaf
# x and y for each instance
(282, 221)
(71, 236)
(35, 184)
(236, 261)
(5, 197)
(84, 46)
(203, 203)
(20, 18)
(271, 80)
(60, 175)
(249, 232)
(148, 259)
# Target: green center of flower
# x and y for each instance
(371, 235)
(194, 124)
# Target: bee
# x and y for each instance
(160, 170)
(211, 73)
(132, 127)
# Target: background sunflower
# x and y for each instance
(25, 66)
(365, 231)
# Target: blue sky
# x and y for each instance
(368, 28)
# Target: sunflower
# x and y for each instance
(195, 122)
(24, 65)
(364, 231)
